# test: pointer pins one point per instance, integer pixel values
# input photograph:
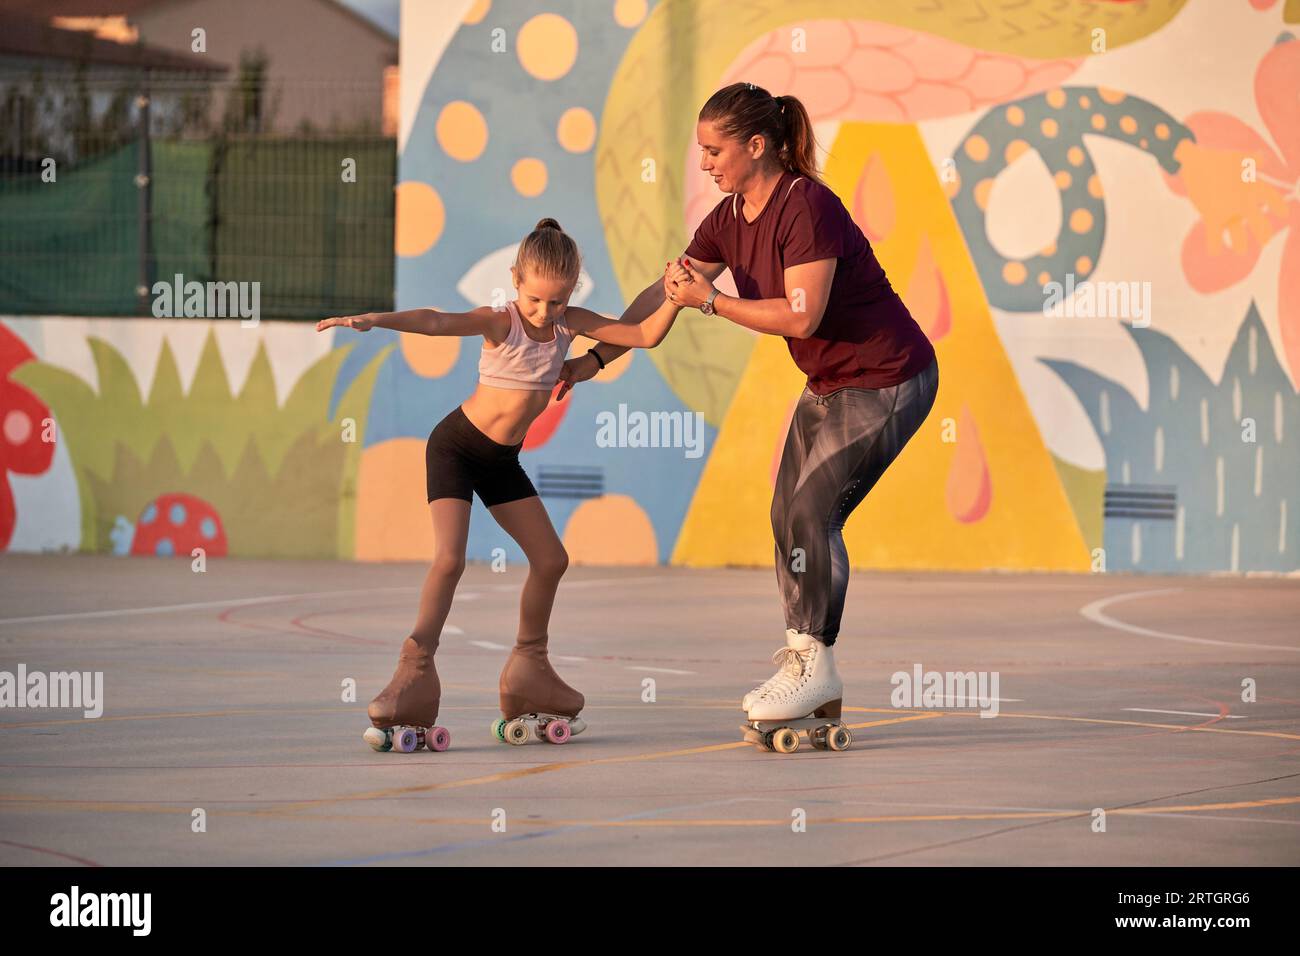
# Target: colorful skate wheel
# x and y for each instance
(378, 739)
(785, 740)
(839, 738)
(406, 740)
(499, 728)
(557, 732)
(437, 739)
(516, 732)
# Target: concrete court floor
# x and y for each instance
(223, 691)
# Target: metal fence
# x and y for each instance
(113, 182)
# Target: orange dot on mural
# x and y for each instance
(1063, 179)
(576, 130)
(547, 46)
(969, 490)
(420, 217)
(461, 131)
(611, 529)
(430, 356)
(477, 12)
(1056, 98)
(1014, 273)
(1015, 149)
(1049, 127)
(1162, 131)
(951, 183)
(1044, 278)
(1015, 116)
(1083, 265)
(1049, 249)
(1098, 121)
(529, 176)
(1094, 186)
(628, 13)
(1110, 95)
(1085, 102)
(982, 190)
(1075, 156)
(977, 148)
(1081, 220)
(1128, 124)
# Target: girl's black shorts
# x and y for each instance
(459, 460)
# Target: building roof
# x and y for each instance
(45, 9)
(24, 35)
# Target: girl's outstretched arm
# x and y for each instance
(482, 321)
(639, 335)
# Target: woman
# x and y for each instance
(804, 271)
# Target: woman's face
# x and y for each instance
(730, 162)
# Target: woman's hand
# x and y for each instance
(685, 286)
(362, 323)
(575, 370)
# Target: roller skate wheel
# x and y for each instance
(839, 738)
(437, 739)
(499, 729)
(406, 740)
(377, 739)
(516, 732)
(817, 737)
(576, 726)
(785, 740)
(557, 732)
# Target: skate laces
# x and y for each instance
(793, 673)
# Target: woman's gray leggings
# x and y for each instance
(836, 450)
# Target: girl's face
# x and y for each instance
(730, 162)
(542, 299)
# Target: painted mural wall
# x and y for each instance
(1091, 207)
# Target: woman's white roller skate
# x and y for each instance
(806, 694)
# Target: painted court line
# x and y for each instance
(202, 605)
(1185, 713)
(1095, 612)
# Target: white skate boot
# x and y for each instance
(779, 658)
(806, 694)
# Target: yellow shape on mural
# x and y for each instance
(1021, 519)
(393, 522)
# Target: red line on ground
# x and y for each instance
(41, 849)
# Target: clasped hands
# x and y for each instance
(684, 286)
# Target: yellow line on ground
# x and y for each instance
(42, 803)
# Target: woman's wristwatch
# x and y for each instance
(707, 305)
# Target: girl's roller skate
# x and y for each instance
(534, 701)
(405, 713)
(805, 694)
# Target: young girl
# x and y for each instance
(476, 449)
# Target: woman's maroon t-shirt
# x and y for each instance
(866, 338)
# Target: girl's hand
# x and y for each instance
(575, 370)
(362, 323)
(693, 291)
